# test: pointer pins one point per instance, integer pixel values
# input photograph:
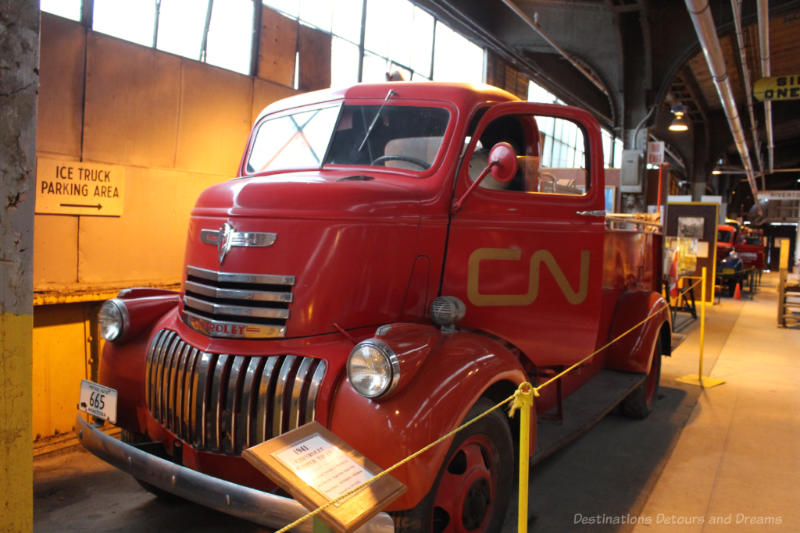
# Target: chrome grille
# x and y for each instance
(227, 304)
(225, 403)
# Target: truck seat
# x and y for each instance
(420, 148)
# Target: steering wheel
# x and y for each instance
(399, 157)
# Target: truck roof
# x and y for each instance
(463, 95)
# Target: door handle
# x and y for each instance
(594, 213)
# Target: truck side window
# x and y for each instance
(551, 154)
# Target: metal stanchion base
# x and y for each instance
(701, 381)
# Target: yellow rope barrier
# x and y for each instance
(523, 399)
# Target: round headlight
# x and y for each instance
(372, 368)
(113, 319)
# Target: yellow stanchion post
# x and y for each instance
(702, 322)
(698, 379)
(524, 402)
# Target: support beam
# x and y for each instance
(19, 82)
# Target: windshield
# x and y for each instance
(751, 240)
(407, 137)
(724, 236)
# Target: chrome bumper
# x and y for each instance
(254, 505)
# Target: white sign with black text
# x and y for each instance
(79, 188)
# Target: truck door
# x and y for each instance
(526, 256)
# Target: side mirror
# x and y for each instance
(502, 166)
(502, 162)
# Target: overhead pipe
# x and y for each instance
(703, 22)
(736, 7)
(538, 29)
(763, 41)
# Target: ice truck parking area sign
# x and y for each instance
(79, 188)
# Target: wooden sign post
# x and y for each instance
(315, 467)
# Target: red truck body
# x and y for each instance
(328, 254)
(750, 247)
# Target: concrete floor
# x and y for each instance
(722, 458)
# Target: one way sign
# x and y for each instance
(79, 188)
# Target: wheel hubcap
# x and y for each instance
(466, 489)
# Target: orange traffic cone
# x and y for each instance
(737, 293)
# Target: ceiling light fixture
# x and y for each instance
(678, 123)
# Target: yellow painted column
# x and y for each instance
(16, 450)
(19, 47)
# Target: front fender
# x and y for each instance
(458, 371)
(633, 352)
(122, 362)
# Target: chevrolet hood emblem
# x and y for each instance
(226, 237)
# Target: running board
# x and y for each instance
(583, 409)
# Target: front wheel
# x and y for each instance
(473, 487)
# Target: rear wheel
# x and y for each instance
(639, 403)
(473, 487)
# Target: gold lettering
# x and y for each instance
(540, 256)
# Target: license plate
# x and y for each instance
(728, 271)
(98, 400)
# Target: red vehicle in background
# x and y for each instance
(391, 260)
(750, 247)
(726, 236)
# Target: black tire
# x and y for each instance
(135, 438)
(474, 485)
(639, 403)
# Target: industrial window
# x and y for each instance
(456, 58)
(344, 62)
(398, 36)
(70, 9)
(347, 19)
(129, 20)
(230, 35)
(181, 24)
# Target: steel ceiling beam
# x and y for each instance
(574, 62)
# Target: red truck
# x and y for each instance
(750, 247)
(390, 260)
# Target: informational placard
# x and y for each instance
(323, 466)
(79, 188)
(315, 467)
(698, 221)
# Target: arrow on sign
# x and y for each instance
(93, 206)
